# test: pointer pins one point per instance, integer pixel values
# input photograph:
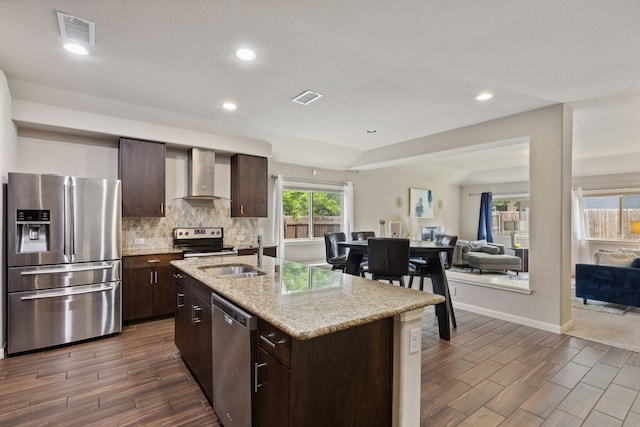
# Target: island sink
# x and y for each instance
(231, 270)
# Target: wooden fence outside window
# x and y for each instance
(299, 229)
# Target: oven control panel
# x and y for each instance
(198, 233)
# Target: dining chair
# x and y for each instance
(388, 258)
(421, 269)
(336, 255)
(363, 235)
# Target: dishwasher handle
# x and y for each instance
(234, 314)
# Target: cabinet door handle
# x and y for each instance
(271, 343)
(153, 261)
(151, 277)
(155, 277)
(195, 309)
(162, 208)
(256, 386)
(178, 303)
(177, 276)
(241, 209)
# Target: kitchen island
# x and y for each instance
(350, 346)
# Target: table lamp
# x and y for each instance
(634, 227)
(512, 226)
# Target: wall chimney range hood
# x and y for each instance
(200, 179)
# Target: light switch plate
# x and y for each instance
(138, 241)
(414, 340)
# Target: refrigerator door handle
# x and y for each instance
(65, 231)
(64, 270)
(72, 237)
(67, 292)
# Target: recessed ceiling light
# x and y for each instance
(484, 96)
(246, 54)
(230, 106)
(76, 49)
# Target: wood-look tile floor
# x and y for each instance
(491, 373)
(133, 378)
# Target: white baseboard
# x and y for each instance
(512, 318)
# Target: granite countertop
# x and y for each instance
(149, 251)
(304, 301)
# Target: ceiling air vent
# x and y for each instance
(76, 29)
(306, 97)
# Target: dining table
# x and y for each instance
(427, 250)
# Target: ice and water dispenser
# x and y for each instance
(32, 230)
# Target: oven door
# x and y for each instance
(44, 318)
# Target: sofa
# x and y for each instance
(484, 256)
(614, 278)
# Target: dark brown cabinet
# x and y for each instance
(271, 251)
(142, 171)
(148, 286)
(248, 186)
(349, 371)
(272, 402)
(193, 329)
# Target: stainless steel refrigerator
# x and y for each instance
(63, 257)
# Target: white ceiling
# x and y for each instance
(407, 69)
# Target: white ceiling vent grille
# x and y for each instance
(306, 97)
(76, 29)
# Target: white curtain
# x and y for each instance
(579, 248)
(278, 216)
(347, 218)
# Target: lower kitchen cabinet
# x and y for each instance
(343, 378)
(193, 329)
(266, 251)
(148, 286)
(272, 406)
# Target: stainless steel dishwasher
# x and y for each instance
(234, 353)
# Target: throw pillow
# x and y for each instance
(636, 252)
(477, 244)
(494, 250)
(615, 259)
(635, 263)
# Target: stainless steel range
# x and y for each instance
(201, 242)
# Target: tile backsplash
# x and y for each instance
(157, 232)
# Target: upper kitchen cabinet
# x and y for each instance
(248, 186)
(142, 171)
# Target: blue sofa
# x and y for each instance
(618, 285)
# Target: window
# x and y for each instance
(311, 212)
(608, 216)
(510, 216)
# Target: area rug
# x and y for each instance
(621, 331)
(606, 323)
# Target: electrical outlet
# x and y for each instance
(414, 340)
(452, 290)
(240, 238)
(138, 241)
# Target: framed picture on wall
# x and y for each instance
(420, 203)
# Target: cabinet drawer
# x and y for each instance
(274, 341)
(146, 261)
